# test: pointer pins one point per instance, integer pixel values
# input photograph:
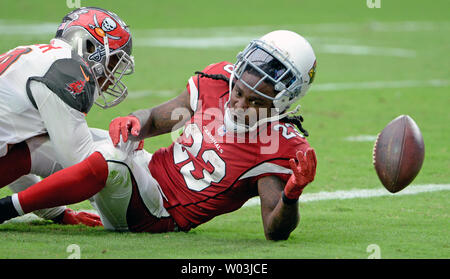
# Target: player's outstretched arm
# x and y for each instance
(153, 121)
(279, 207)
(279, 219)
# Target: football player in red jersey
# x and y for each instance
(232, 116)
(49, 88)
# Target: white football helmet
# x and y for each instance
(283, 58)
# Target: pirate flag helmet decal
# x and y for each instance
(104, 41)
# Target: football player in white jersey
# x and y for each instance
(49, 88)
(207, 171)
(44, 163)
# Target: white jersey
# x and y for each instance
(21, 119)
(17, 115)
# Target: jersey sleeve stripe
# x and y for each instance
(265, 168)
(194, 94)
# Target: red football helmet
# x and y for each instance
(104, 41)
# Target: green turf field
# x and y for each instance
(373, 65)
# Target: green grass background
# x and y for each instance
(403, 226)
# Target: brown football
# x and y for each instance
(398, 153)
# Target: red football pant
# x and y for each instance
(15, 163)
(71, 185)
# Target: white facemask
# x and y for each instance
(238, 127)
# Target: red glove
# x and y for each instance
(303, 173)
(124, 126)
(74, 218)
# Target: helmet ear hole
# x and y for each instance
(281, 102)
(90, 48)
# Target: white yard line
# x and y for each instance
(242, 41)
(362, 193)
(336, 27)
(323, 87)
(380, 84)
(42, 28)
(233, 37)
(361, 138)
(312, 197)
(145, 93)
(365, 50)
(194, 43)
(8, 27)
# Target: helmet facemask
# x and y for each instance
(270, 66)
(116, 64)
(274, 68)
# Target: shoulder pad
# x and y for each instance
(70, 79)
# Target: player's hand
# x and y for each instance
(74, 218)
(302, 175)
(124, 126)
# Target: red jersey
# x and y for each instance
(208, 171)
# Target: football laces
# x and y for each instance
(375, 149)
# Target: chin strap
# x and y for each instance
(242, 128)
(239, 128)
(273, 118)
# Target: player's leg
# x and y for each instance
(27, 181)
(131, 200)
(43, 164)
(117, 203)
(43, 158)
(15, 163)
(120, 204)
(17, 123)
(112, 201)
(59, 214)
(35, 155)
(146, 212)
(71, 185)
